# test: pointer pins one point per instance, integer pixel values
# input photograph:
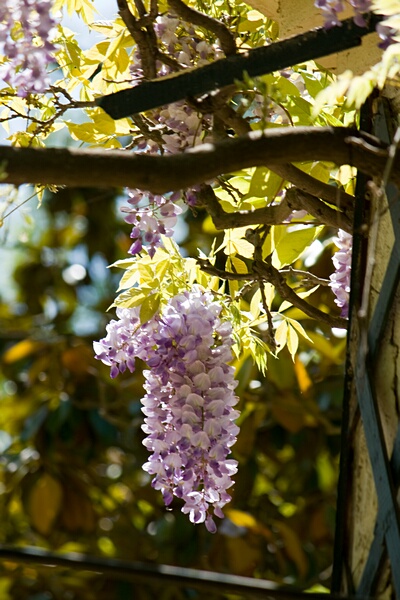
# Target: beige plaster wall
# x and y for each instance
(297, 16)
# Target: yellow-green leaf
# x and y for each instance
(236, 265)
(44, 503)
(281, 336)
(149, 307)
(292, 341)
(292, 244)
(235, 242)
(255, 304)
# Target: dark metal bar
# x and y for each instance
(160, 574)
(391, 279)
(380, 464)
(392, 276)
(221, 73)
(357, 276)
(378, 550)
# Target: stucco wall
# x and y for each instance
(297, 16)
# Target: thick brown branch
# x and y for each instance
(160, 174)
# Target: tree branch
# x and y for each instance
(298, 200)
(147, 43)
(270, 215)
(269, 273)
(196, 17)
(266, 272)
(159, 174)
(217, 105)
(306, 183)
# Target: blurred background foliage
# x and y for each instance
(70, 437)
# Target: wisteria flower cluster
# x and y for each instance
(151, 216)
(340, 279)
(29, 49)
(189, 400)
(331, 9)
(172, 129)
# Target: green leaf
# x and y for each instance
(292, 244)
(281, 335)
(233, 288)
(299, 328)
(280, 87)
(300, 111)
(259, 351)
(234, 242)
(264, 184)
(292, 341)
(128, 279)
(255, 304)
(236, 265)
(133, 297)
(124, 263)
(149, 307)
(313, 85)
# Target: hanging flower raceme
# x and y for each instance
(26, 33)
(340, 279)
(189, 400)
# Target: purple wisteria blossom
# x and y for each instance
(151, 216)
(340, 279)
(118, 349)
(387, 34)
(331, 9)
(26, 33)
(188, 405)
